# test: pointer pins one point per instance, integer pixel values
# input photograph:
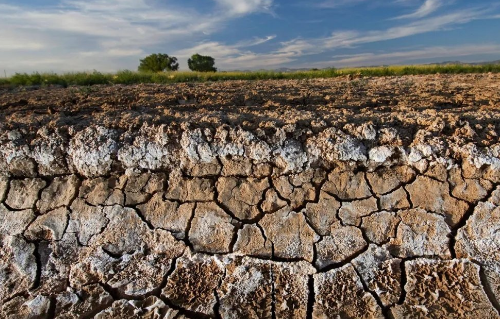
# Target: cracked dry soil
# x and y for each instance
(334, 198)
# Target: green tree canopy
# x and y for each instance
(201, 63)
(158, 62)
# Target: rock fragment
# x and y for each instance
(495, 197)
(50, 226)
(242, 196)
(342, 244)
(57, 258)
(251, 242)
(351, 213)
(443, 289)
(20, 307)
(59, 193)
(193, 284)
(130, 275)
(138, 274)
(169, 215)
(211, 229)
(470, 190)
(387, 179)
(323, 214)
(291, 235)
(103, 191)
(381, 272)
(347, 185)
(272, 202)
(420, 234)
(479, 240)
(86, 221)
(124, 220)
(189, 190)
(380, 227)
(14, 222)
(17, 266)
(23, 193)
(437, 171)
(297, 189)
(434, 196)
(339, 293)
(84, 302)
(197, 169)
(139, 187)
(93, 150)
(396, 200)
(236, 167)
(247, 289)
(149, 308)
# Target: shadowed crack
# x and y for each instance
(38, 258)
(273, 295)
(311, 297)
(404, 280)
(141, 216)
(188, 228)
(385, 310)
(51, 312)
(453, 234)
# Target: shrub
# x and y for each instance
(158, 62)
(201, 63)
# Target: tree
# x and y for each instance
(158, 62)
(201, 63)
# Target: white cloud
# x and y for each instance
(334, 4)
(352, 38)
(428, 7)
(331, 4)
(236, 56)
(399, 57)
(108, 35)
(82, 35)
(255, 41)
(243, 7)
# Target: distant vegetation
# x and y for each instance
(158, 62)
(201, 63)
(129, 77)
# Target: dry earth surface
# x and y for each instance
(333, 198)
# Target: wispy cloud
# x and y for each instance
(237, 56)
(331, 4)
(108, 35)
(399, 57)
(243, 7)
(334, 4)
(428, 7)
(255, 41)
(73, 33)
(352, 38)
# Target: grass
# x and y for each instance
(129, 77)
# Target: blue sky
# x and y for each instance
(110, 35)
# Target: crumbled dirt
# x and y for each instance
(443, 102)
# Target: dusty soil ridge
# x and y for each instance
(345, 215)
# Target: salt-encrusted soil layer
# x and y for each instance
(338, 198)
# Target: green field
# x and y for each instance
(129, 77)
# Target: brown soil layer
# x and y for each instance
(335, 198)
